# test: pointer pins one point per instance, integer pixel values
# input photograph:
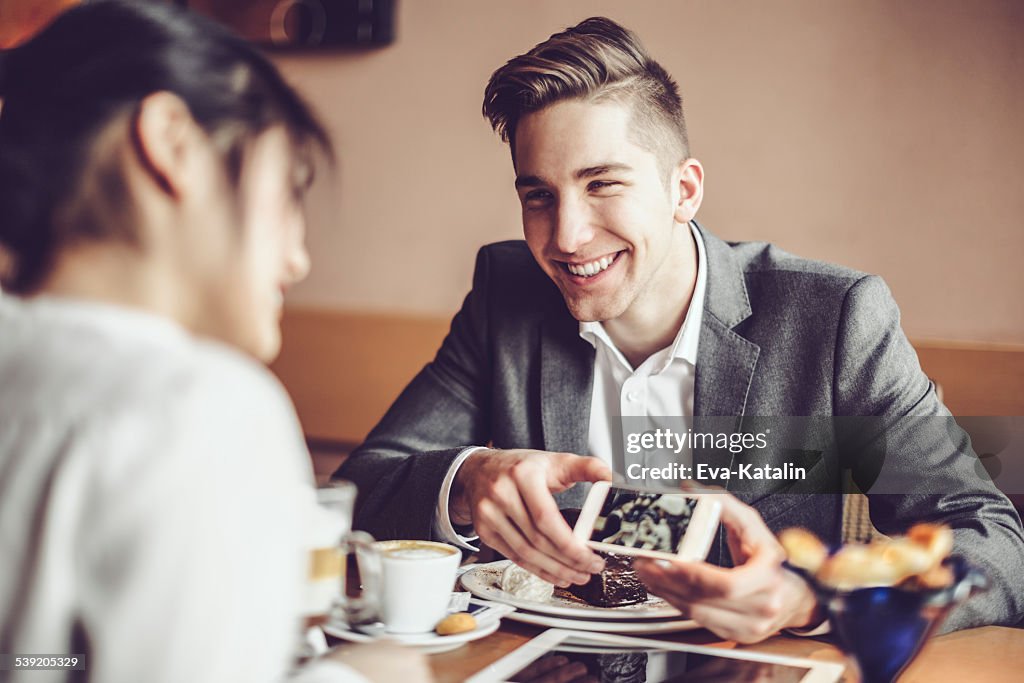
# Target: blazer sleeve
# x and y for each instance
(912, 459)
(401, 466)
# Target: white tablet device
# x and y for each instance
(558, 655)
(631, 521)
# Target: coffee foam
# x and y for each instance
(415, 550)
(415, 553)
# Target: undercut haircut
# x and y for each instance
(594, 61)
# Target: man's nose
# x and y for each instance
(574, 228)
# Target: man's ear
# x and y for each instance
(688, 180)
(164, 132)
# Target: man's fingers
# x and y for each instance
(746, 620)
(497, 530)
(536, 539)
(701, 580)
(497, 542)
(513, 496)
(731, 625)
(514, 512)
(692, 580)
(743, 520)
(670, 585)
(550, 530)
(762, 604)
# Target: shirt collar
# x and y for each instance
(684, 347)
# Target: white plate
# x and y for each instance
(650, 626)
(484, 581)
(428, 643)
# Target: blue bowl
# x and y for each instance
(883, 628)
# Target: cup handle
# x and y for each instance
(366, 606)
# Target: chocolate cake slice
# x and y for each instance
(615, 586)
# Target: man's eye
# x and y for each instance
(601, 185)
(537, 196)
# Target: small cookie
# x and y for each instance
(460, 622)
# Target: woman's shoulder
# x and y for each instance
(79, 362)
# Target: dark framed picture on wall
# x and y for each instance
(305, 24)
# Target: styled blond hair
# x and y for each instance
(596, 60)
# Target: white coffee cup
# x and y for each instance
(418, 578)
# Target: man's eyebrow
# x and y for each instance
(529, 181)
(601, 169)
(588, 172)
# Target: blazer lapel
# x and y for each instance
(725, 369)
(725, 359)
(725, 365)
(566, 381)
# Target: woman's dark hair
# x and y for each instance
(99, 61)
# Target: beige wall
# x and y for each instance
(886, 135)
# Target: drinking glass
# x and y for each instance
(333, 541)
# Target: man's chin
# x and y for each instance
(592, 312)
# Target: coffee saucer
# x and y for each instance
(488, 620)
(428, 643)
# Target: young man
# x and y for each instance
(619, 305)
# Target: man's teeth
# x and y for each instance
(592, 268)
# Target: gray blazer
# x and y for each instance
(781, 336)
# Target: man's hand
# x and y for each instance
(747, 603)
(506, 495)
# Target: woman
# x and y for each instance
(153, 477)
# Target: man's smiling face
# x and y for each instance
(598, 212)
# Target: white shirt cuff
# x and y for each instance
(821, 629)
(443, 527)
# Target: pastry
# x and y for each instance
(524, 585)
(913, 561)
(616, 585)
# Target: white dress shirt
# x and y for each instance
(154, 493)
(661, 386)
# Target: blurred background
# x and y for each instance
(882, 135)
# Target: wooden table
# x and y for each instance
(991, 654)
